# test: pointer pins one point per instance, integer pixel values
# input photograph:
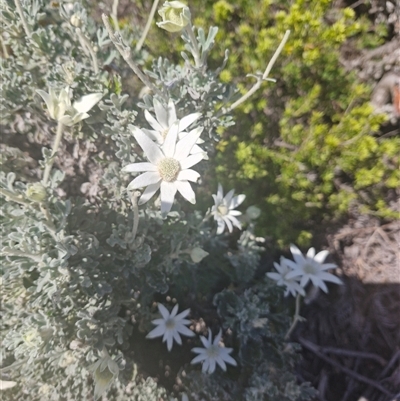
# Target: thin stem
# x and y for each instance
(14, 197)
(296, 318)
(114, 14)
(86, 42)
(126, 55)
(193, 40)
(135, 207)
(257, 85)
(148, 25)
(23, 19)
(57, 142)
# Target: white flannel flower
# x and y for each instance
(105, 370)
(175, 16)
(165, 119)
(311, 268)
(168, 168)
(292, 285)
(212, 353)
(60, 107)
(171, 325)
(223, 209)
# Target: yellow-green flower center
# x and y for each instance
(223, 210)
(169, 169)
(213, 351)
(170, 323)
(309, 268)
(174, 15)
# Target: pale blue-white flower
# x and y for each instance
(212, 354)
(62, 110)
(165, 119)
(292, 284)
(171, 325)
(311, 268)
(223, 209)
(168, 168)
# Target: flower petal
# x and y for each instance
(228, 197)
(153, 122)
(185, 145)
(188, 120)
(85, 103)
(297, 255)
(190, 161)
(150, 149)
(311, 253)
(163, 310)
(321, 256)
(169, 144)
(188, 175)
(171, 113)
(149, 193)
(154, 135)
(137, 167)
(168, 191)
(157, 332)
(161, 114)
(228, 223)
(145, 179)
(236, 201)
(198, 358)
(186, 191)
(174, 311)
(185, 331)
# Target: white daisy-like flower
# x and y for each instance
(292, 285)
(171, 325)
(223, 210)
(168, 168)
(213, 354)
(165, 119)
(60, 108)
(311, 268)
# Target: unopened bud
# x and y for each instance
(36, 192)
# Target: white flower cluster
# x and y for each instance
(295, 275)
(171, 325)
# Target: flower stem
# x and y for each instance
(56, 144)
(126, 55)
(147, 27)
(195, 46)
(23, 19)
(86, 43)
(257, 85)
(296, 317)
(135, 207)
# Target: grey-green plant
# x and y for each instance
(82, 271)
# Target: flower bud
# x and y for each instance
(253, 212)
(175, 16)
(105, 370)
(36, 192)
(197, 254)
(76, 21)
